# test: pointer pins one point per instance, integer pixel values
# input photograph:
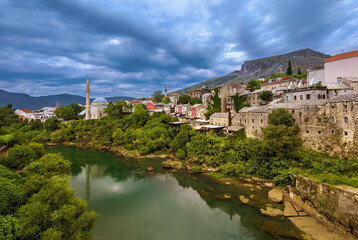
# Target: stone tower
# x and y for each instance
(88, 103)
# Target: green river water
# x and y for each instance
(134, 204)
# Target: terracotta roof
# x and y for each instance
(235, 85)
(27, 111)
(174, 94)
(343, 56)
(134, 101)
(20, 116)
(150, 98)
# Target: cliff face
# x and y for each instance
(264, 67)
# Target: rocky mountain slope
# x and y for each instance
(264, 67)
(21, 100)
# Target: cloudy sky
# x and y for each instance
(134, 47)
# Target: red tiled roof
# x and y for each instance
(150, 98)
(134, 101)
(343, 56)
(20, 116)
(27, 111)
(235, 85)
(174, 94)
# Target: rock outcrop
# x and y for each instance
(276, 195)
(177, 165)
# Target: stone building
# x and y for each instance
(328, 125)
(315, 76)
(205, 99)
(341, 66)
(198, 92)
(220, 119)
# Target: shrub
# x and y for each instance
(196, 169)
(233, 169)
(20, 155)
(181, 154)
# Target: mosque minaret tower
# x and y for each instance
(88, 102)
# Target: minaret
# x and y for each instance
(88, 104)
(165, 90)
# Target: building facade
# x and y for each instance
(341, 66)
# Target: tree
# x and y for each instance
(299, 71)
(51, 124)
(20, 155)
(280, 117)
(194, 101)
(266, 95)
(140, 115)
(77, 108)
(253, 85)
(117, 108)
(239, 102)
(166, 100)
(66, 112)
(289, 68)
(157, 95)
(184, 99)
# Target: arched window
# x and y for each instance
(324, 96)
(346, 119)
(295, 97)
(307, 120)
(332, 119)
(308, 96)
(288, 98)
(301, 97)
(319, 120)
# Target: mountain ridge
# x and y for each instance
(23, 100)
(264, 67)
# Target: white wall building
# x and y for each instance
(341, 66)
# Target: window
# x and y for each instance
(288, 98)
(261, 121)
(307, 120)
(319, 96)
(346, 133)
(253, 120)
(332, 131)
(308, 96)
(253, 127)
(319, 120)
(294, 120)
(319, 132)
(324, 96)
(332, 119)
(307, 131)
(295, 97)
(346, 119)
(301, 97)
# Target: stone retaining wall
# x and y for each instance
(337, 203)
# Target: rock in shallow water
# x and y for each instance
(173, 164)
(276, 194)
(272, 212)
(244, 200)
(149, 169)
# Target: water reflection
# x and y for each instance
(135, 204)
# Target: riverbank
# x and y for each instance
(309, 223)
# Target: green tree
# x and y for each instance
(117, 108)
(289, 68)
(20, 155)
(194, 101)
(253, 85)
(266, 95)
(280, 117)
(184, 99)
(299, 71)
(239, 102)
(166, 100)
(157, 95)
(66, 112)
(77, 108)
(51, 124)
(140, 115)
(55, 213)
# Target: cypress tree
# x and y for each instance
(299, 71)
(289, 68)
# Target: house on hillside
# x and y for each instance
(341, 66)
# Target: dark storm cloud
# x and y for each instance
(134, 47)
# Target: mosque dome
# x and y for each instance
(100, 100)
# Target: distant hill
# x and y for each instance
(21, 100)
(264, 67)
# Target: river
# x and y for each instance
(136, 204)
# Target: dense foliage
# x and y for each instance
(158, 95)
(277, 156)
(239, 102)
(36, 202)
(118, 108)
(253, 85)
(266, 95)
(184, 99)
(69, 112)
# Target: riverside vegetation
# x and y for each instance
(278, 156)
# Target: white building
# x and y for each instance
(31, 115)
(341, 66)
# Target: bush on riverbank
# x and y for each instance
(36, 202)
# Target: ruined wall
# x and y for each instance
(339, 204)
